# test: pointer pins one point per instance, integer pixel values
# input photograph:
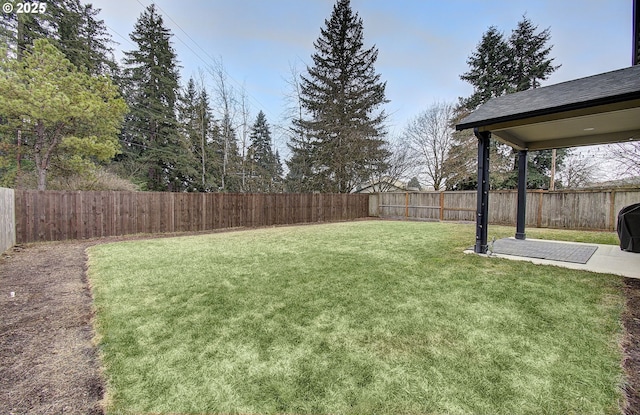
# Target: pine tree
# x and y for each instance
(66, 22)
(62, 23)
(189, 125)
(529, 54)
(19, 30)
(414, 183)
(263, 168)
(530, 65)
(278, 178)
(342, 96)
(73, 28)
(95, 43)
(497, 67)
(152, 139)
(301, 177)
(198, 129)
(500, 66)
(489, 69)
(69, 119)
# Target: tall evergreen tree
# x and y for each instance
(342, 96)
(73, 27)
(278, 180)
(151, 87)
(529, 55)
(530, 65)
(66, 24)
(94, 43)
(301, 177)
(198, 129)
(263, 165)
(489, 69)
(500, 66)
(19, 30)
(230, 168)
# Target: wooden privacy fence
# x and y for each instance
(570, 209)
(7, 219)
(61, 215)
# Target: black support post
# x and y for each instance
(521, 217)
(482, 211)
(635, 58)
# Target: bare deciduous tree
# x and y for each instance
(244, 134)
(430, 137)
(400, 165)
(227, 103)
(627, 156)
(579, 169)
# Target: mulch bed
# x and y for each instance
(631, 346)
(49, 363)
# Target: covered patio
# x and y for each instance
(599, 109)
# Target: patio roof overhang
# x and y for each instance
(599, 109)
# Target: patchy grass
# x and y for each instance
(351, 318)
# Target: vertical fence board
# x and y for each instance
(7, 219)
(20, 229)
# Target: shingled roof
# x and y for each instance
(512, 117)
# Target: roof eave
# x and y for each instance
(616, 102)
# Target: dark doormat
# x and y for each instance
(553, 251)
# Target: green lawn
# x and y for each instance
(352, 318)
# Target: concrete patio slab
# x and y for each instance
(578, 253)
(608, 259)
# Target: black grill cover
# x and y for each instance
(629, 228)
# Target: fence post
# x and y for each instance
(406, 205)
(540, 199)
(374, 201)
(612, 210)
(441, 206)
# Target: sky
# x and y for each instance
(423, 45)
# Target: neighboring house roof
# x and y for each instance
(389, 185)
(597, 109)
(629, 182)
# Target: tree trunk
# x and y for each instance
(42, 179)
(43, 160)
